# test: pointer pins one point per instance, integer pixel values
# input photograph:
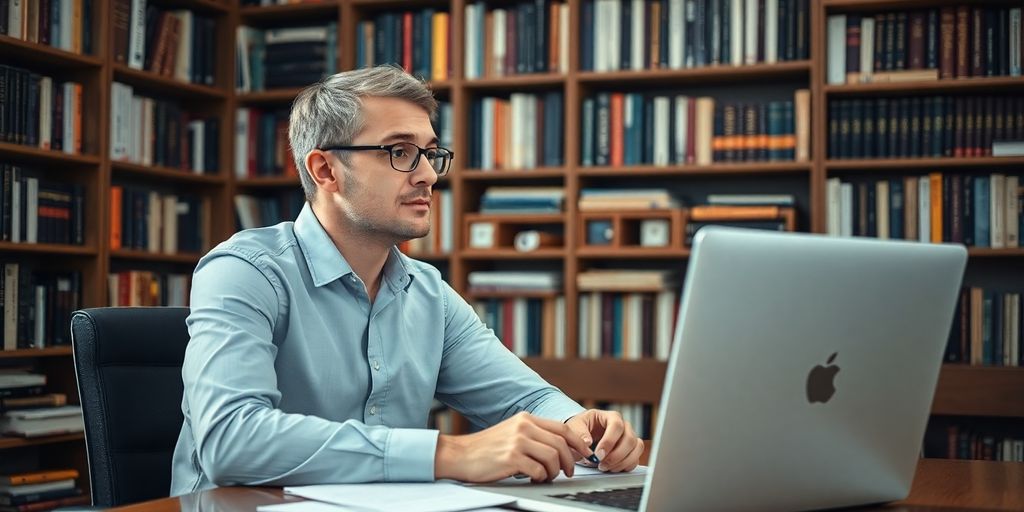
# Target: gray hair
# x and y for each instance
(329, 112)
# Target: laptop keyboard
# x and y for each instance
(627, 498)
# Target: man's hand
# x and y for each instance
(525, 444)
(618, 446)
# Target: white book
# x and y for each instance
(563, 37)
(19, 378)
(66, 15)
(1015, 41)
(14, 19)
(39, 329)
(17, 209)
(613, 37)
(924, 209)
(183, 60)
(70, 107)
(531, 120)
(867, 48)
(736, 32)
(244, 80)
(750, 37)
(45, 112)
(40, 422)
(846, 210)
(583, 324)
(836, 35)
(242, 143)
(137, 34)
(31, 210)
(245, 207)
(521, 337)
(636, 44)
(662, 110)
(498, 42)
(664, 317)
(833, 206)
(634, 308)
(1012, 226)
(594, 340)
(517, 109)
(134, 134)
(997, 210)
(682, 114)
(112, 290)
(170, 224)
(148, 126)
(488, 126)
(118, 150)
(447, 222)
(560, 349)
(882, 209)
(678, 12)
(771, 31)
(297, 35)
(600, 12)
(26, 489)
(11, 310)
(198, 145)
(470, 38)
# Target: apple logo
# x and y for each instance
(820, 387)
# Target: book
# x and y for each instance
(37, 477)
(42, 422)
(24, 489)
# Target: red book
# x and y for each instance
(617, 121)
(407, 19)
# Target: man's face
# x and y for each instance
(375, 198)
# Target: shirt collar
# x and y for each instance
(325, 262)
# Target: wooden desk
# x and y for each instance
(944, 484)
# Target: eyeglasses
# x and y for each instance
(405, 156)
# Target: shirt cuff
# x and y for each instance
(409, 455)
(558, 407)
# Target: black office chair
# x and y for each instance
(128, 363)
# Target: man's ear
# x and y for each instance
(321, 165)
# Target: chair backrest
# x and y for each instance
(128, 363)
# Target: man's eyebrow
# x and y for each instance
(407, 137)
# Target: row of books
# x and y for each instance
(261, 143)
(36, 210)
(954, 41)
(929, 126)
(675, 34)
(970, 442)
(527, 37)
(516, 281)
(603, 199)
(626, 325)
(522, 132)
(38, 111)
(47, 421)
(418, 41)
(441, 238)
(174, 43)
(633, 129)
(154, 132)
(528, 327)
(63, 24)
(284, 57)
(40, 490)
(146, 288)
(149, 220)
(986, 329)
(642, 417)
(37, 305)
(975, 210)
(266, 210)
(522, 200)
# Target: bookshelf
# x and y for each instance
(963, 391)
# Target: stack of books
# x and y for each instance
(46, 421)
(40, 490)
(596, 199)
(522, 200)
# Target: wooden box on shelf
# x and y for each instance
(625, 229)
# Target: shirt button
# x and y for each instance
(376, 365)
(373, 410)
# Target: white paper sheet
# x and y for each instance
(425, 497)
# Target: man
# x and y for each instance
(317, 348)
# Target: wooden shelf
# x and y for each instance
(48, 55)
(158, 84)
(19, 442)
(739, 168)
(532, 81)
(165, 173)
(126, 254)
(985, 252)
(64, 350)
(980, 391)
(269, 182)
(45, 156)
(632, 253)
(519, 174)
(48, 249)
(976, 84)
(512, 254)
(798, 69)
(268, 97)
(311, 11)
(603, 379)
(209, 6)
(984, 163)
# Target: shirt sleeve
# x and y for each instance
(231, 397)
(486, 382)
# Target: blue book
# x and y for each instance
(587, 132)
(896, 209)
(981, 211)
(986, 328)
(617, 325)
(587, 37)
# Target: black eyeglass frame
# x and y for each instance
(420, 153)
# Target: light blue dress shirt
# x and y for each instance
(292, 376)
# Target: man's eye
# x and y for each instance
(398, 153)
(431, 154)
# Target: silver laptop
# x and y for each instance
(801, 377)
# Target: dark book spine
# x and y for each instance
(960, 127)
(853, 43)
(931, 60)
(967, 210)
(587, 36)
(985, 146)
(856, 130)
(950, 126)
(869, 125)
(947, 38)
(833, 128)
(915, 127)
(955, 208)
(963, 41)
(916, 44)
(882, 115)
(896, 209)
(977, 41)
(925, 117)
(889, 61)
